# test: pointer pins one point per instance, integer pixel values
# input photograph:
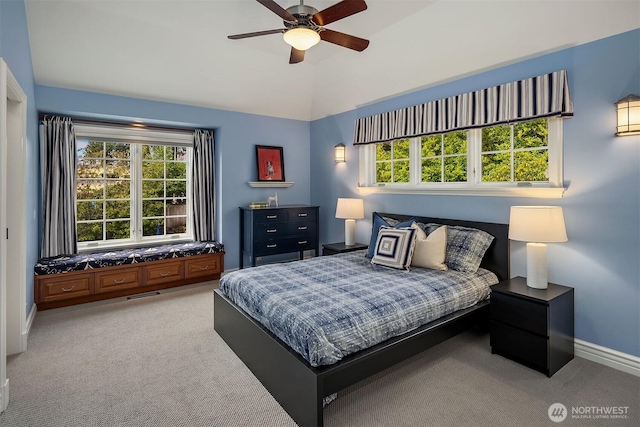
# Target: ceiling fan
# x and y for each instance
(304, 26)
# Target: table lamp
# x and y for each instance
(350, 210)
(537, 225)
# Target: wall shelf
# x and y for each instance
(267, 184)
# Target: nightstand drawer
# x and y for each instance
(520, 313)
(520, 345)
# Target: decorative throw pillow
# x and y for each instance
(430, 251)
(394, 247)
(465, 246)
(379, 221)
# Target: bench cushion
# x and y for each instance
(78, 262)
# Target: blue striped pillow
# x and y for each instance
(394, 247)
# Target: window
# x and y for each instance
(392, 161)
(500, 160)
(516, 153)
(130, 189)
(444, 157)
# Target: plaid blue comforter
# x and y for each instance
(328, 307)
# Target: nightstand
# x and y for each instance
(339, 248)
(534, 327)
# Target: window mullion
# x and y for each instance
(512, 156)
(136, 193)
(415, 161)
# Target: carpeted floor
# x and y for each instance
(157, 361)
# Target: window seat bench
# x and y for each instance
(75, 279)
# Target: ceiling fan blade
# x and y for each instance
(257, 33)
(296, 56)
(338, 11)
(278, 10)
(344, 40)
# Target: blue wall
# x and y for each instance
(236, 134)
(15, 50)
(601, 260)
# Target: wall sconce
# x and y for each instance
(338, 155)
(628, 115)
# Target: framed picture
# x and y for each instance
(270, 162)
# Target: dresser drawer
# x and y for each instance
(200, 267)
(271, 247)
(284, 229)
(162, 272)
(518, 312)
(124, 278)
(303, 214)
(270, 215)
(521, 345)
(61, 287)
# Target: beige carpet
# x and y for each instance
(156, 361)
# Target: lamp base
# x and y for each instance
(537, 265)
(349, 232)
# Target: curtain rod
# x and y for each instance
(107, 122)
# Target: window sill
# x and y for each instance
(531, 192)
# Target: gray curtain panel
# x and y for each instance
(203, 178)
(58, 144)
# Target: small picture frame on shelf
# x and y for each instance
(270, 163)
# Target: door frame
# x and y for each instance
(13, 316)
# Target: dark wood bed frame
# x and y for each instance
(299, 387)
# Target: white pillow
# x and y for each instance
(430, 252)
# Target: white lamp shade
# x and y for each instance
(301, 38)
(350, 208)
(540, 224)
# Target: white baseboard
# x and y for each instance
(25, 334)
(4, 395)
(608, 357)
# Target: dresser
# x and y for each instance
(281, 230)
(534, 327)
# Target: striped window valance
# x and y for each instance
(542, 96)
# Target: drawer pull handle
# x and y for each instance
(272, 216)
(302, 242)
(119, 281)
(302, 214)
(205, 267)
(165, 274)
(272, 246)
(67, 290)
(302, 228)
(273, 230)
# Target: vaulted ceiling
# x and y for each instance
(178, 50)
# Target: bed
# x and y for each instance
(298, 376)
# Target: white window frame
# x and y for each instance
(474, 186)
(138, 137)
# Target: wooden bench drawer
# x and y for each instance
(168, 271)
(61, 287)
(124, 278)
(200, 267)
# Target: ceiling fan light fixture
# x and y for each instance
(301, 38)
